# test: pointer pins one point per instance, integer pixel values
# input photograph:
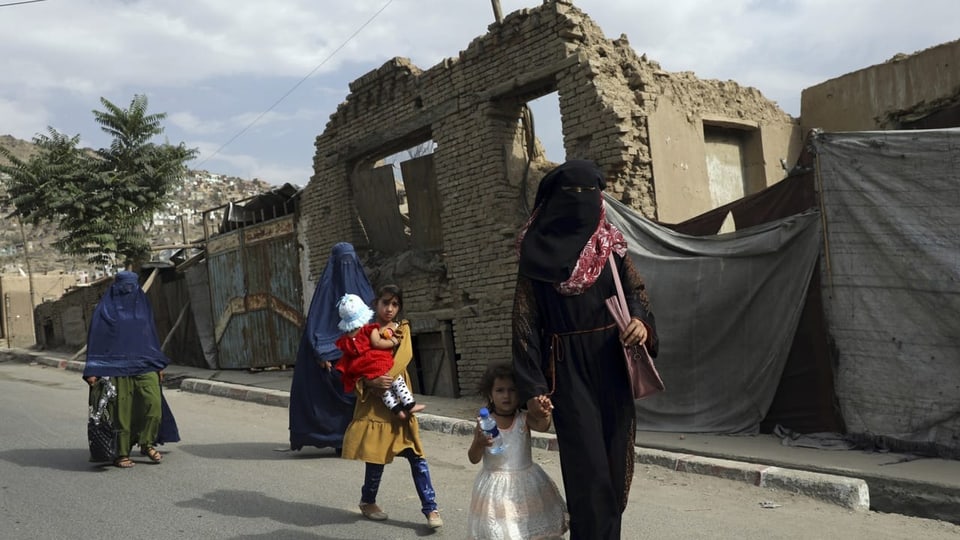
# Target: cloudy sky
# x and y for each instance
(251, 84)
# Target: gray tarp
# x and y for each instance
(892, 280)
(198, 287)
(727, 308)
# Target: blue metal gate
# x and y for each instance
(256, 295)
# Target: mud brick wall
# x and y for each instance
(69, 317)
(469, 105)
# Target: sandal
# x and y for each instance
(152, 453)
(123, 462)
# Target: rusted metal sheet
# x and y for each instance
(267, 231)
(423, 199)
(375, 193)
(226, 242)
(256, 297)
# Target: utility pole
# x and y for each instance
(497, 13)
(33, 294)
(26, 258)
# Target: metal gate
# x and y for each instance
(255, 295)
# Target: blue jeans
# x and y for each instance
(421, 479)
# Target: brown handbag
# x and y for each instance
(644, 378)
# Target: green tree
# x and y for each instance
(104, 200)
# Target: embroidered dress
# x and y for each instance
(513, 497)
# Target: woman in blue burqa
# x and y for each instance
(123, 355)
(319, 408)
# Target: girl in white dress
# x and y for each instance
(513, 498)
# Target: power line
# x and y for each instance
(301, 81)
(21, 3)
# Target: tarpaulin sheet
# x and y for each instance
(805, 401)
(892, 280)
(727, 308)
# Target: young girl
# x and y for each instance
(376, 436)
(513, 498)
(368, 351)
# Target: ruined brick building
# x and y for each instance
(672, 145)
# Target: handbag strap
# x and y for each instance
(616, 279)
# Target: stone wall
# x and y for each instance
(471, 106)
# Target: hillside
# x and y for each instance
(180, 222)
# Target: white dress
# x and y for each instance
(513, 498)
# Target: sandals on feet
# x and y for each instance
(123, 462)
(152, 453)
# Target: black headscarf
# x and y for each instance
(563, 220)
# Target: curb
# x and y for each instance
(49, 361)
(277, 398)
(851, 493)
(846, 492)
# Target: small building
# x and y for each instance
(19, 295)
(62, 322)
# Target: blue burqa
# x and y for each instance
(122, 341)
(319, 408)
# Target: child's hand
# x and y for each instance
(480, 442)
(480, 438)
(539, 406)
(545, 404)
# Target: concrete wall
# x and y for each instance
(471, 107)
(884, 95)
(17, 327)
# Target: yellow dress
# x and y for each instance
(376, 435)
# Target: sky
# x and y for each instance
(251, 84)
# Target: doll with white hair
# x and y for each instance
(368, 353)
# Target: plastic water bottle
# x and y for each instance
(489, 426)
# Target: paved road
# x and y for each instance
(230, 478)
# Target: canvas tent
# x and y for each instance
(881, 309)
(891, 202)
(727, 309)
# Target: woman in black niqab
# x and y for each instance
(567, 351)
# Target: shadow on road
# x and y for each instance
(61, 459)
(252, 451)
(253, 504)
(285, 534)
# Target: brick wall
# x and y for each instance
(470, 106)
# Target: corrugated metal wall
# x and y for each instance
(255, 295)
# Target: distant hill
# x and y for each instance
(180, 222)
(20, 149)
